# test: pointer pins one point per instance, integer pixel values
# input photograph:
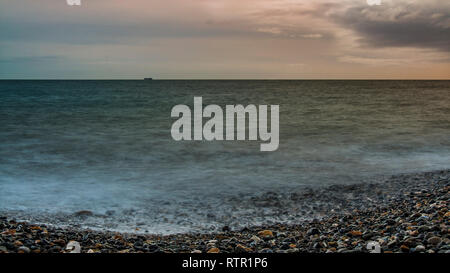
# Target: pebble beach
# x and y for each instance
(407, 213)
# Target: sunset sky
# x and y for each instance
(224, 39)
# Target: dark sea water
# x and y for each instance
(105, 146)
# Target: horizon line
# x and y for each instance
(229, 79)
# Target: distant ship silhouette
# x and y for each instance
(148, 79)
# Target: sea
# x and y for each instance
(105, 146)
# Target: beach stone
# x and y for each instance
(404, 248)
(60, 242)
(367, 235)
(214, 250)
(313, 231)
(210, 245)
(9, 245)
(355, 233)
(241, 248)
(266, 250)
(420, 248)
(84, 213)
(255, 239)
(24, 249)
(332, 243)
(434, 240)
(317, 245)
(55, 249)
(292, 250)
(423, 228)
(392, 243)
(284, 246)
(265, 233)
(409, 242)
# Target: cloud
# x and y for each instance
(312, 36)
(271, 30)
(420, 24)
(116, 38)
(371, 61)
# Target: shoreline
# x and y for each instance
(413, 217)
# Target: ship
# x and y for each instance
(148, 79)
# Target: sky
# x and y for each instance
(225, 39)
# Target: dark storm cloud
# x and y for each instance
(422, 24)
(399, 23)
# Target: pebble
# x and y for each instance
(24, 249)
(265, 233)
(255, 239)
(434, 240)
(404, 248)
(313, 231)
(420, 248)
(84, 213)
(214, 250)
(355, 233)
(242, 248)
